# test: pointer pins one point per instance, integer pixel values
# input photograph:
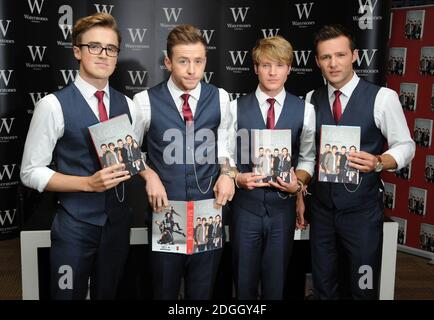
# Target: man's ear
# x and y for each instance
(355, 55)
(77, 52)
(168, 63)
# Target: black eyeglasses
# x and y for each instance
(96, 49)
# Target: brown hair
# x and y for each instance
(275, 48)
(96, 20)
(333, 31)
(183, 34)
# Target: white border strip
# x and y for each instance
(32, 240)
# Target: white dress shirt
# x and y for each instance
(47, 127)
(388, 117)
(143, 107)
(306, 158)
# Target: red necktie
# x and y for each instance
(186, 110)
(270, 113)
(337, 107)
(101, 107)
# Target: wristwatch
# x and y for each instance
(229, 173)
(379, 164)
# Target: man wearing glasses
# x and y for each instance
(90, 232)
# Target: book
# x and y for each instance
(417, 201)
(397, 60)
(426, 237)
(426, 67)
(408, 96)
(271, 154)
(187, 227)
(414, 23)
(429, 169)
(115, 142)
(402, 229)
(404, 173)
(336, 142)
(423, 132)
(389, 195)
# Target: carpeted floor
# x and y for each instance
(414, 276)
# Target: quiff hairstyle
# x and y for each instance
(183, 34)
(96, 20)
(275, 48)
(333, 31)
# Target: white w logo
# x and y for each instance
(104, 8)
(7, 172)
(365, 56)
(304, 10)
(35, 5)
(138, 33)
(207, 36)
(69, 76)
(5, 124)
(271, 32)
(66, 30)
(300, 55)
(235, 95)
(7, 215)
(207, 76)
(3, 28)
(242, 12)
(4, 77)
(37, 52)
(137, 75)
(172, 13)
(36, 96)
(238, 56)
(368, 4)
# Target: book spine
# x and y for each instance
(190, 228)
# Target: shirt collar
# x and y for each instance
(347, 89)
(88, 90)
(176, 92)
(262, 97)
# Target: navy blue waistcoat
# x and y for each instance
(167, 134)
(260, 200)
(358, 112)
(75, 155)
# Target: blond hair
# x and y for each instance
(274, 48)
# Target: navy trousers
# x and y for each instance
(262, 247)
(199, 271)
(81, 252)
(359, 233)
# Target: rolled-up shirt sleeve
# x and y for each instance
(306, 158)
(390, 119)
(46, 127)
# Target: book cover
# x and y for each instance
(336, 142)
(389, 195)
(397, 60)
(417, 201)
(414, 22)
(408, 96)
(426, 237)
(423, 132)
(429, 169)
(432, 97)
(404, 173)
(187, 227)
(271, 154)
(115, 142)
(402, 229)
(426, 66)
